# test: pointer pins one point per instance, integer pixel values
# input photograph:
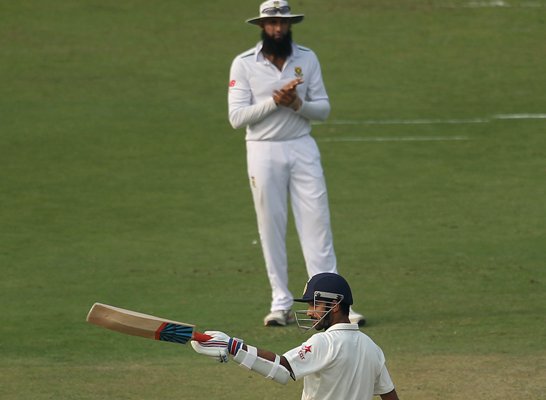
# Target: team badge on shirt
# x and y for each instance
(303, 351)
(298, 72)
(232, 83)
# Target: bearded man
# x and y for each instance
(275, 91)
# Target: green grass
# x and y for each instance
(121, 181)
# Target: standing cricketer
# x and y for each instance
(340, 363)
(275, 91)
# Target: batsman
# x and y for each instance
(339, 363)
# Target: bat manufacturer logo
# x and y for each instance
(174, 333)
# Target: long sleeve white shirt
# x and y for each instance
(252, 81)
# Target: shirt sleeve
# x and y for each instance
(316, 105)
(242, 110)
(312, 356)
(383, 382)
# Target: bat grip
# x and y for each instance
(200, 337)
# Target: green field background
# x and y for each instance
(122, 182)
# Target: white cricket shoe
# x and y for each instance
(356, 318)
(279, 318)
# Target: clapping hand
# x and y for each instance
(287, 96)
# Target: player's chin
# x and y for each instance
(319, 326)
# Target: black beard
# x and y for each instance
(325, 323)
(279, 48)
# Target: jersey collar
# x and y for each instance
(343, 327)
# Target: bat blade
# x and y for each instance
(143, 325)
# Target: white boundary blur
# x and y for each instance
(394, 139)
(496, 4)
(432, 121)
(340, 122)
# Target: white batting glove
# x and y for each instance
(216, 347)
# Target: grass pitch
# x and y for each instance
(122, 182)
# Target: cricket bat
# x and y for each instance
(144, 325)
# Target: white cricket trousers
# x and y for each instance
(290, 170)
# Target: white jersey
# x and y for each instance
(252, 81)
(340, 363)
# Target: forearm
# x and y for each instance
(315, 110)
(241, 116)
(270, 356)
(389, 396)
(263, 362)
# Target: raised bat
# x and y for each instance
(144, 325)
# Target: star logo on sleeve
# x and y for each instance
(304, 350)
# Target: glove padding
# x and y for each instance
(216, 347)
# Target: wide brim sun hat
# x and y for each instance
(275, 9)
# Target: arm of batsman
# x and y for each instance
(216, 347)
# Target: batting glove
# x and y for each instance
(216, 347)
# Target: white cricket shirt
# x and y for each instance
(252, 81)
(340, 363)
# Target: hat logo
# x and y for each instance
(298, 72)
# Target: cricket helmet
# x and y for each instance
(327, 286)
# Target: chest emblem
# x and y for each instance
(298, 72)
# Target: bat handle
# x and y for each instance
(200, 337)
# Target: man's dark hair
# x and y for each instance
(344, 307)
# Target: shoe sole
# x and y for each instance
(274, 322)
